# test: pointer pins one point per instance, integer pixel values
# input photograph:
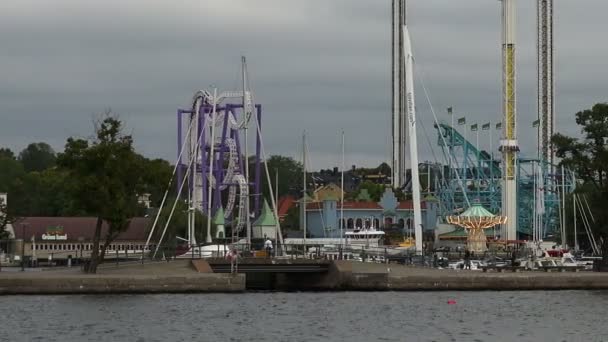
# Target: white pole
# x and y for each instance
(342, 198)
(411, 113)
(304, 187)
(563, 213)
(247, 209)
(574, 217)
(211, 159)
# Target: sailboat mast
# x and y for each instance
(411, 114)
(342, 197)
(304, 187)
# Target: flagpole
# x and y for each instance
(478, 162)
(491, 157)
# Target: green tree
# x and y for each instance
(6, 217)
(178, 227)
(106, 176)
(6, 153)
(155, 177)
(37, 157)
(290, 174)
(10, 170)
(588, 157)
(292, 219)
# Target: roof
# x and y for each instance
(266, 217)
(477, 210)
(406, 205)
(78, 227)
(286, 203)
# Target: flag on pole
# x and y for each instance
(474, 128)
(536, 123)
(485, 127)
(462, 121)
(499, 125)
(449, 110)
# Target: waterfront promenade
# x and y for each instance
(181, 277)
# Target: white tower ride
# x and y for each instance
(546, 91)
(508, 145)
(411, 118)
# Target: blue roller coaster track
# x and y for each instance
(472, 174)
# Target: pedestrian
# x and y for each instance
(268, 247)
(467, 260)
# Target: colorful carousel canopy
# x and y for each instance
(476, 217)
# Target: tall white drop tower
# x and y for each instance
(508, 145)
(399, 122)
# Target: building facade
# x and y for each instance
(323, 217)
(58, 239)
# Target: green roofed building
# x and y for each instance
(218, 220)
(265, 225)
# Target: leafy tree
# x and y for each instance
(292, 219)
(374, 190)
(6, 153)
(106, 176)
(10, 170)
(155, 177)
(588, 157)
(290, 174)
(178, 226)
(37, 157)
(6, 217)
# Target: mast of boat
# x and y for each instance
(563, 213)
(574, 217)
(342, 198)
(304, 187)
(411, 114)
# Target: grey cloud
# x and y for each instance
(317, 65)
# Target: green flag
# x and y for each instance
(449, 110)
(462, 121)
(485, 127)
(499, 125)
(474, 128)
(536, 123)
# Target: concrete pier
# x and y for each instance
(188, 276)
(174, 277)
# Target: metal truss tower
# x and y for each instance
(399, 122)
(508, 145)
(546, 90)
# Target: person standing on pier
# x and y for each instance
(467, 260)
(268, 247)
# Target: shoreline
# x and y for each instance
(182, 277)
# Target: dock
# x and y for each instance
(212, 276)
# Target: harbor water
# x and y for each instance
(339, 316)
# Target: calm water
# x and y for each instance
(368, 316)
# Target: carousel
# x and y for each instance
(475, 221)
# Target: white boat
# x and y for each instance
(476, 265)
(208, 251)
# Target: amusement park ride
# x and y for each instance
(529, 193)
(211, 166)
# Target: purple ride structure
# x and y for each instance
(211, 160)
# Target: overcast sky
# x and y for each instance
(319, 65)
